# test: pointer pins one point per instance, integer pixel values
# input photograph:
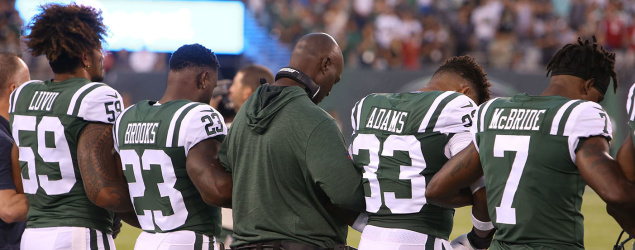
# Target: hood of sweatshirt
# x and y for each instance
(265, 103)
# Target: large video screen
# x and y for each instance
(163, 26)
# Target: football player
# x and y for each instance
(626, 159)
(62, 128)
(402, 140)
(538, 153)
(168, 151)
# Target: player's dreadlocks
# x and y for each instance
(466, 67)
(193, 55)
(64, 32)
(586, 60)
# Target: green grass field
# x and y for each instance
(601, 230)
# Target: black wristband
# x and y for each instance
(478, 242)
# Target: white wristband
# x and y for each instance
(360, 222)
(483, 226)
(480, 183)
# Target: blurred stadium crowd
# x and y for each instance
(517, 35)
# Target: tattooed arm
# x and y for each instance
(604, 175)
(101, 172)
(447, 187)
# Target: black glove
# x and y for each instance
(478, 242)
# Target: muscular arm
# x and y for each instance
(604, 175)
(207, 174)
(104, 181)
(626, 158)
(459, 172)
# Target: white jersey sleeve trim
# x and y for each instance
(359, 113)
(484, 107)
(100, 105)
(73, 103)
(451, 118)
(433, 107)
(16, 93)
(629, 103)
(194, 126)
(586, 120)
(556, 119)
(115, 128)
(457, 143)
(175, 117)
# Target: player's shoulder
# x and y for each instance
(630, 103)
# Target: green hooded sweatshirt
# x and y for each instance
(288, 161)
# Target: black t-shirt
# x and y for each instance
(10, 234)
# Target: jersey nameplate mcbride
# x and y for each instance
(517, 119)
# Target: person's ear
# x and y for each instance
(588, 85)
(247, 92)
(86, 60)
(203, 80)
(325, 64)
(465, 90)
(12, 87)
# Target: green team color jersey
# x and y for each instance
(400, 141)
(46, 121)
(153, 141)
(630, 110)
(288, 159)
(527, 147)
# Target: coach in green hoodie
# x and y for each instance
(293, 180)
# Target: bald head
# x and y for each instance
(313, 46)
(318, 56)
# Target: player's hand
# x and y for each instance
(471, 241)
(462, 243)
(116, 226)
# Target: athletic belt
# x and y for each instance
(287, 245)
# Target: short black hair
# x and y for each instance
(466, 67)
(64, 32)
(585, 59)
(193, 56)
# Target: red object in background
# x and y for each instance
(631, 38)
(614, 30)
(411, 55)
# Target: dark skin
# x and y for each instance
(202, 163)
(318, 56)
(596, 166)
(445, 81)
(104, 182)
(626, 159)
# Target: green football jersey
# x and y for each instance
(630, 102)
(153, 141)
(527, 147)
(400, 141)
(46, 121)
